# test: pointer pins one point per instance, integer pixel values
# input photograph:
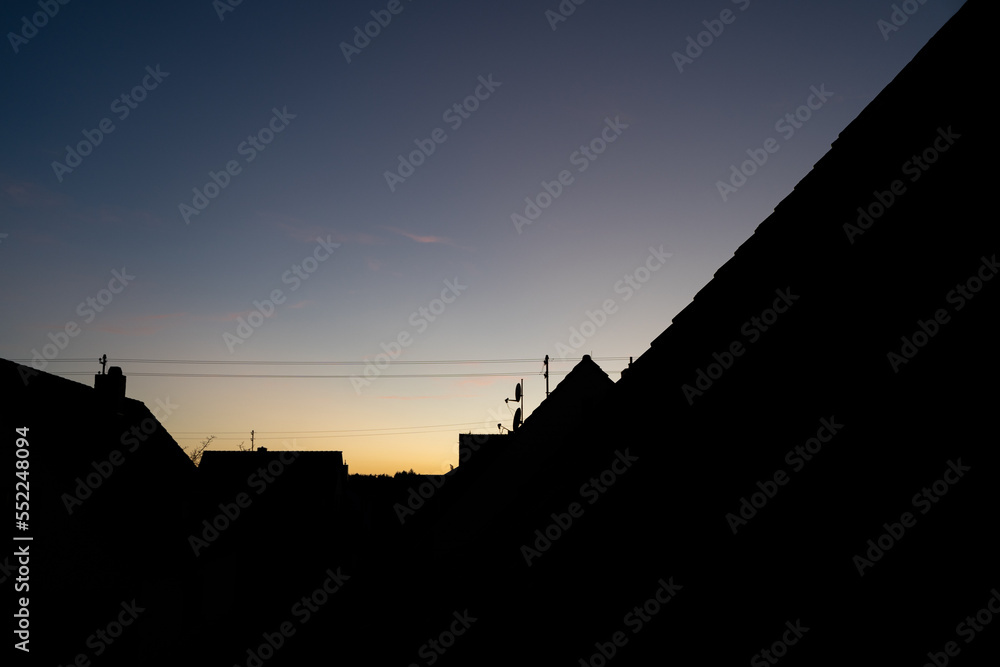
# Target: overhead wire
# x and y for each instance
(320, 377)
(341, 433)
(345, 430)
(243, 362)
(231, 362)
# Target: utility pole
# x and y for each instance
(546, 376)
(251, 440)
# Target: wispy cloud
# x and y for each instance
(418, 238)
(26, 194)
(232, 316)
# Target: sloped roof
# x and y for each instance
(804, 243)
(110, 503)
(572, 398)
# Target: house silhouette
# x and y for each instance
(111, 496)
(121, 518)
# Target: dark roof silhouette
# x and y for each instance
(111, 494)
(576, 399)
(294, 486)
(577, 395)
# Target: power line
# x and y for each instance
(230, 362)
(313, 437)
(321, 377)
(273, 434)
(442, 362)
(343, 433)
(321, 363)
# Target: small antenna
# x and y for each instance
(546, 376)
(104, 363)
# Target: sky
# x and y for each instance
(426, 181)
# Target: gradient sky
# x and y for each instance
(323, 175)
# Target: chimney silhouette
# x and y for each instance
(110, 387)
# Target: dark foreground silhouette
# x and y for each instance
(802, 468)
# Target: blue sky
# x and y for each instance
(599, 99)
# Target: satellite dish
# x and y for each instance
(517, 392)
(517, 418)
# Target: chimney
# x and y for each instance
(110, 387)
